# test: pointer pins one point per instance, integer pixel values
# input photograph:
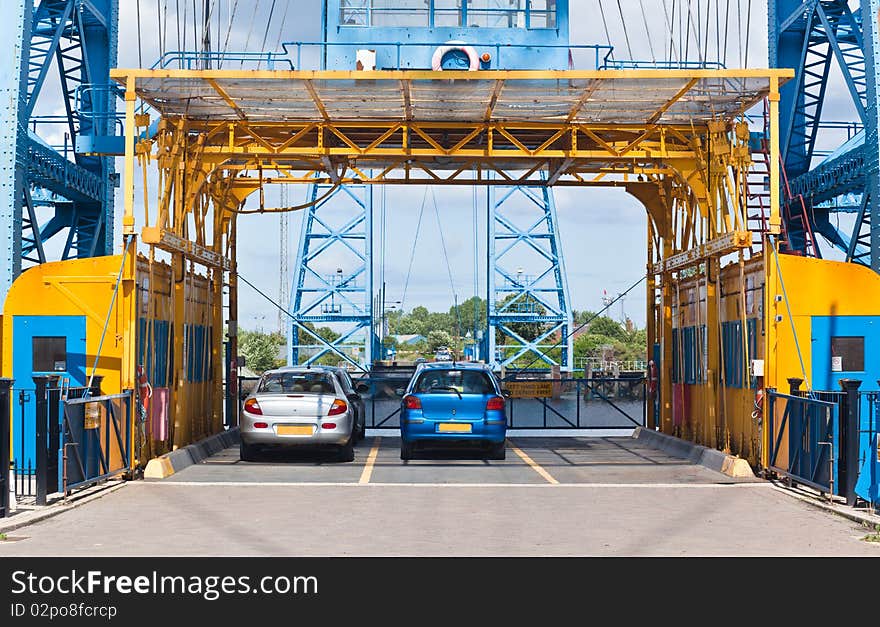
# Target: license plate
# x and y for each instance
(454, 427)
(295, 429)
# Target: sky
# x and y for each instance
(602, 232)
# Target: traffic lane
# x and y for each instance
(459, 464)
(612, 460)
(432, 520)
(293, 465)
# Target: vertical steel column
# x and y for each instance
(848, 446)
(871, 36)
(41, 431)
(15, 31)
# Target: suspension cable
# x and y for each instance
(266, 32)
(563, 340)
(228, 33)
(412, 254)
(446, 257)
(647, 30)
(625, 32)
(605, 26)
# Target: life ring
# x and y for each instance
(449, 46)
(652, 378)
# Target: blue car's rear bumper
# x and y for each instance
(415, 427)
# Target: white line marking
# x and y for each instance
(325, 484)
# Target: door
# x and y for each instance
(54, 345)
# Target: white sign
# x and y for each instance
(836, 363)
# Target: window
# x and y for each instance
(449, 13)
(297, 383)
(462, 381)
(847, 354)
(49, 354)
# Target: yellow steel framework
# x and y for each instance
(677, 140)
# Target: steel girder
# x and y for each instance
(80, 39)
(809, 36)
(336, 233)
(515, 298)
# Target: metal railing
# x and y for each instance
(633, 64)
(97, 439)
(596, 403)
(804, 442)
(597, 54)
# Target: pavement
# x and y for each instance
(550, 497)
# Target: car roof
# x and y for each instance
(454, 365)
(319, 368)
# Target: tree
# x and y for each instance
(471, 309)
(438, 338)
(259, 349)
(604, 325)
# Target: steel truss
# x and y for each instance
(80, 40)
(812, 37)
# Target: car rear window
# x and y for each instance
(297, 383)
(465, 381)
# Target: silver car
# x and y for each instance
(297, 406)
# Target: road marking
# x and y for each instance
(343, 484)
(371, 461)
(535, 465)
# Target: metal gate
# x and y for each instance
(804, 440)
(97, 439)
(595, 403)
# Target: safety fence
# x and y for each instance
(559, 404)
(827, 440)
(67, 437)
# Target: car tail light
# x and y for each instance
(328, 425)
(339, 406)
(496, 403)
(251, 406)
(412, 402)
(261, 425)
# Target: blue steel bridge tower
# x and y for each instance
(53, 187)
(405, 34)
(831, 158)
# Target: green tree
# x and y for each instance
(604, 325)
(259, 349)
(438, 338)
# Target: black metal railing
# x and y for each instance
(595, 403)
(97, 439)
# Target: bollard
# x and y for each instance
(95, 390)
(41, 430)
(794, 385)
(5, 433)
(848, 450)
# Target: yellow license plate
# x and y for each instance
(295, 429)
(454, 427)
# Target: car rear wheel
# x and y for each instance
(497, 450)
(362, 431)
(247, 452)
(406, 450)
(346, 451)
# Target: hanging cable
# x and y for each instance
(228, 32)
(748, 33)
(564, 340)
(647, 31)
(625, 32)
(726, 31)
(281, 30)
(412, 254)
(605, 26)
(247, 40)
(266, 32)
(672, 52)
(446, 257)
(140, 44)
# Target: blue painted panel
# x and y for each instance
(436, 28)
(24, 329)
(826, 327)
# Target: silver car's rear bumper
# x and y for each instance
(318, 436)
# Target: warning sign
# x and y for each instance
(530, 389)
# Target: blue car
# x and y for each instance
(453, 402)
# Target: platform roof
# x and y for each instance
(613, 97)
